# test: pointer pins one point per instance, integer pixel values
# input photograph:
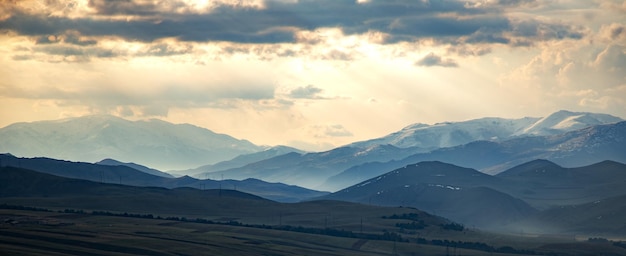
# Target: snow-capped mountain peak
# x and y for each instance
(450, 134)
(563, 121)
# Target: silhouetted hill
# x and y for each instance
(135, 166)
(458, 193)
(33, 189)
(544, 184)
(238, 161)
(128, 176)
(23, 183)
(597, 218)
(311, 169)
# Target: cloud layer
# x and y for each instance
(317, 73)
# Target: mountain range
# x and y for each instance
(153, 142)
(450, 134)
(125, 175)
(527, 193)
(238, 161)
(489, 145)
(576, 148)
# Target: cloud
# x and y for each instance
(613, 33)
(337, 130)
(331, 130)
(431, 60)
(280, 21)
(306, 92)
(149, 95)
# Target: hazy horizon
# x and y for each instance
(310, 74)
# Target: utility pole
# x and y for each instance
(361, 224)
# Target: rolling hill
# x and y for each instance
(135, 166)
(238, 161)
(603, 217)
(120, 174)
(458, 193)
(34, 189)
(311, 169)
(545, 184)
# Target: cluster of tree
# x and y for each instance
(130, 215)
(404, 216)
(73, 211)
(597, 240)
(476, 246)
(620, 244)
(23, 208)
(413, 225)
(453, 226)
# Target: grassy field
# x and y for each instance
(52, 233)
(185, 221)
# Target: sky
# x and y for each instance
(313, 74)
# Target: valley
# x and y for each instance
(535, 186)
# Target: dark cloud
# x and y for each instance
(127, 7)
(539, 31)
(163, 49)
(431, 60)
(446, 20)
(469, 50)
(306, 92)
(74, 38)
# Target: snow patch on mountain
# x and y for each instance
(450, 134)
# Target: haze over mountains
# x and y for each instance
(495, 202)
(490, 173)
(126, 174)
(489, 145)
(153, 142)
(345, 166)
(576, 148)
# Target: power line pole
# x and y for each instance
(361, 224)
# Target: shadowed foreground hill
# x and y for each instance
(93, 218)
(458, 193)
(544, 184)
(606, 216)
(120, 174)
(53, 191)
(30, 188)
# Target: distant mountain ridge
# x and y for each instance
(576, 148)
(239, 161)
(461, 194)
(121, 174)
(450, 134)
(135, 166)
(487, 144)
(311, 169)
(153, 142)
(509, 198)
